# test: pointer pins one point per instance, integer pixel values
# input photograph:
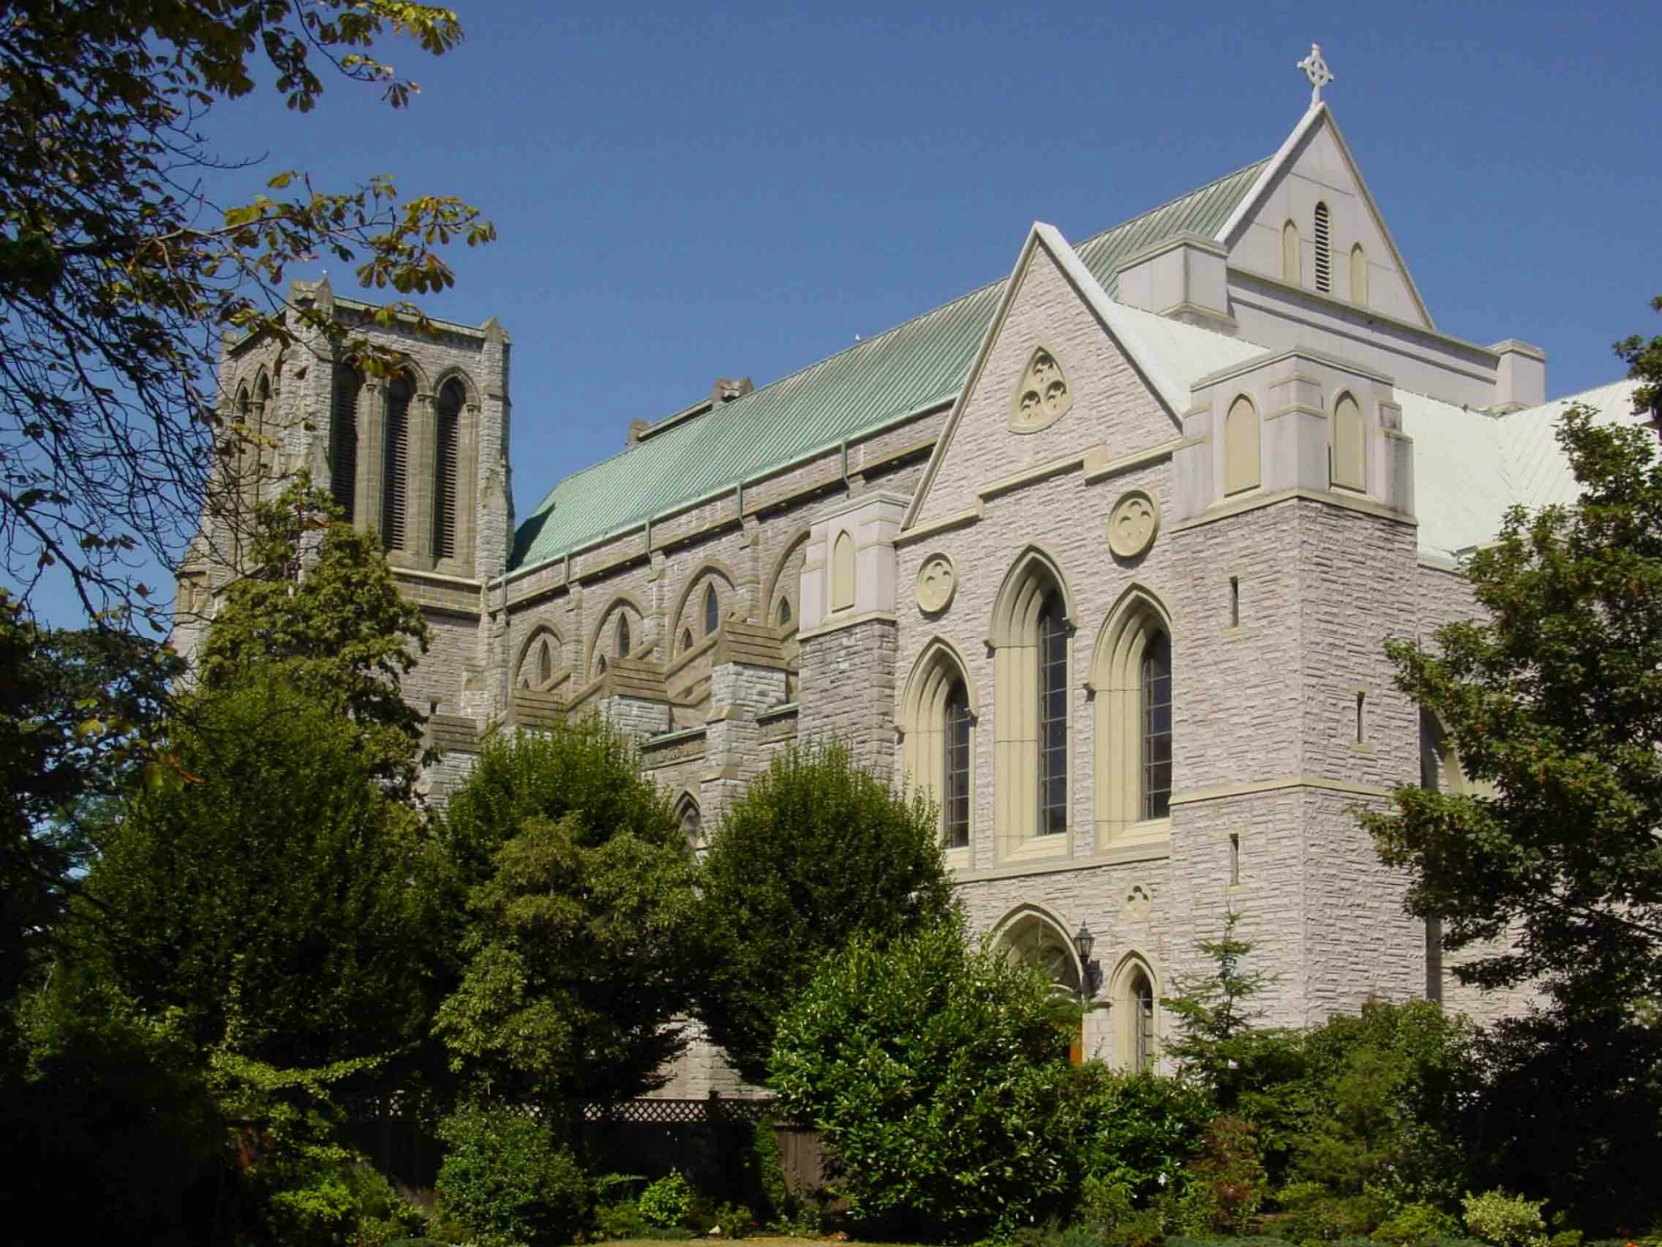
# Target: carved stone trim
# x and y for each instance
(937, 582)
(1133, 524)
(1043, 395)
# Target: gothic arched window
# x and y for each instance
(842, 572)
(1131, 670)
(1348, 465)
(712, 610)
(1030, 635)
(622, 636)
(1240, 446)
(938, 726)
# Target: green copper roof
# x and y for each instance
(913, 368)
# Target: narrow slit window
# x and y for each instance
(623, 636)
(1142, 1024)
(955, 797)
(1234, 859)
(1053, 718)
(686, 639)
(1361, 717)
(783, 614)
(712, 610)
(1324, 251)
(1156, 705)
(1234, 601)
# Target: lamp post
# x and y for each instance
(1083, 943)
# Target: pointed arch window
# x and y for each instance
(1240, 447)
(1131, 671)
(1031, 637)
(938, 725)
(712, 610)
(1138, 1003)
(621, 638)
(842, 572)
(1324, 251)
(1347, 463)
(396, 463)
(782, 612)
(1290, 266)
(447, 460)
(343, 439)
(541, 666)
(686, 639)
(1358, 276)
(691, 820)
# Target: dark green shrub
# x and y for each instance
(1417, 1223)
(668, 1202)
(938, 1077)
(506, 1180)
(814, 853)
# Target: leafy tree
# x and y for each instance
(814, 853)
(265, 888)
(581, 906)
(318, 601)
(75, 711)
(1553, 699)
(938, 1075)
(1379, 1116)
(119, 271)
(506, 1178)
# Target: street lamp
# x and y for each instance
(1083, 942)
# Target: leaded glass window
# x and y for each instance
(1053, 718)
(1156, 717)
(955, 797)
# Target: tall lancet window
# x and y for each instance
(955, 769)
(712, 610)
(343, 439)
(1053, 717)
(447, 459)
(1155, 684)
(622, 635)
(396, 464)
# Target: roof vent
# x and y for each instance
(726, 390)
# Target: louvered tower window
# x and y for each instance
(1053, 718)
(396, 464)
(446, 467)
(1324, 251)
(343, 435)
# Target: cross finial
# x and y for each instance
(1317, 71)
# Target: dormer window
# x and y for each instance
(1324, 251)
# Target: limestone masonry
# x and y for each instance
(1103, 556)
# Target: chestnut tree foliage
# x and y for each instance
(119, 271)
(1553, 701)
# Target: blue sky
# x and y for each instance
(685, 192)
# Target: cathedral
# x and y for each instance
(1102, 555)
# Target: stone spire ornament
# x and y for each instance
(1317, 71)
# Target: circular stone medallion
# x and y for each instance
(936, 582)
(1133, 524)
